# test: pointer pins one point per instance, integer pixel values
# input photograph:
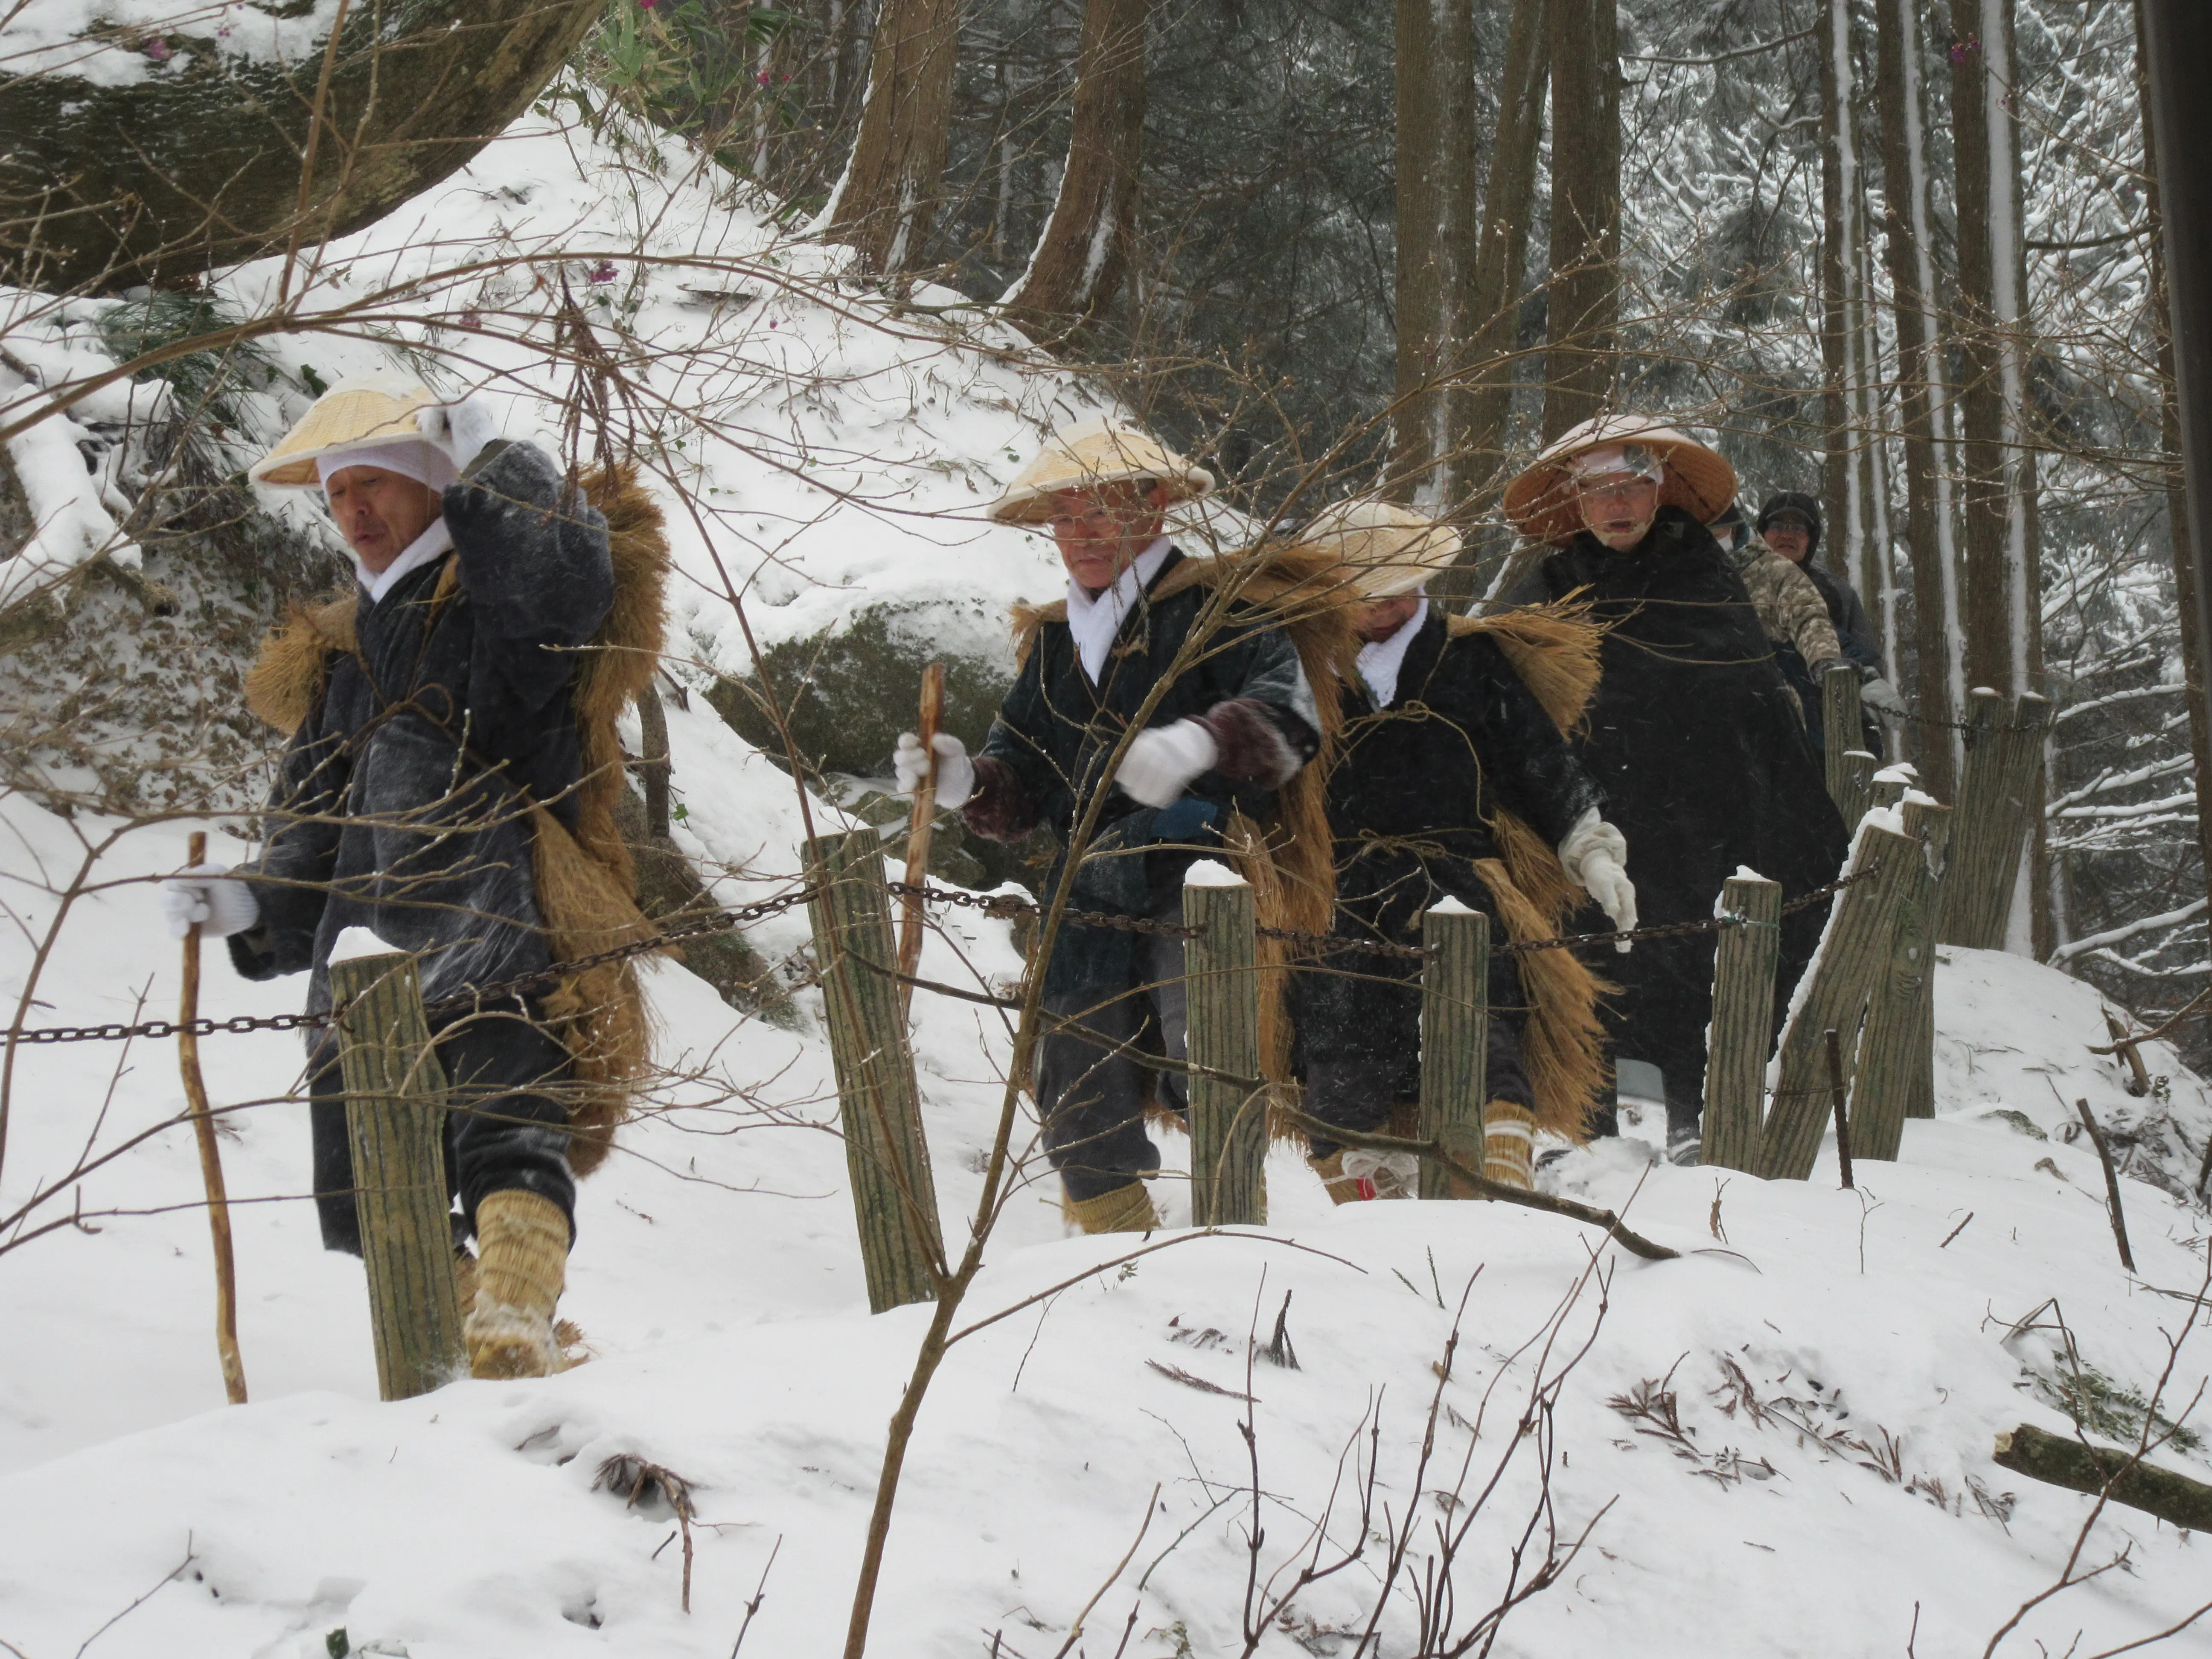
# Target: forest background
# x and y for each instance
(1902, 255)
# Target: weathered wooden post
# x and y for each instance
(879, 1103)
(1228, 1119)
(1859, 938)
(1996, 808)
(1742, 1036)
(1840, 733)
(1858, 787)
(396, 1124)
(1454, 1039)
(1897, 1055)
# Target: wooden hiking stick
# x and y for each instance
(917, 834)
(196, 1097)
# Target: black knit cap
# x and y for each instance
(1793, 501)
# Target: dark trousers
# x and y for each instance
(1359, 1030)
(505, 1126)
(1091, 1091)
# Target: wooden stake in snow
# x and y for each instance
(1843, 737)
(1742, 1036)
(1228, 1121)
(1998, 802)
(1897, 1056)
(2112, 1183)
(396, 1124)
(196, 1098)
(918, 829)
(1860, 937)
(878, 1104)
(1454, 1040)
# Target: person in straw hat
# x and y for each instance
(1234, 723)
(1694, 735)
(1448, 779)
(435, 737)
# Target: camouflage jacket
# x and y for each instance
(1789, 607)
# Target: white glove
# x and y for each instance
(956, 773)
(1879, 695)
(461, 429)
(210, 894)
(1596, 854)
(1162, 759)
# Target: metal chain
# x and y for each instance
(463, 1002)
(1003, 906)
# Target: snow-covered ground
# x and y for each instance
(718, 1278)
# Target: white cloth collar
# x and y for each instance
(1094, 623)
(1379, 663)
(433, 543)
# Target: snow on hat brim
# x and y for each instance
(1542, 504)
(1092, 453)
(374, 411)
(1383, 549)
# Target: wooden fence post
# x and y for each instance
(1455, 1038)
(1221, 986)
(396, 1123)
(879, 1103)
(1996, 801)
(1859, 938)
(1858, 788)
(1742, 1036)
(1897, 1056)
(1840, 733)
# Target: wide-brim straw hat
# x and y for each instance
(1094, 452)
(364, 413)
(1540, 502)
(1383, 549)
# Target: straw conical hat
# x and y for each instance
(1382, 549)
(373, 409)
(1540, 502)
(1095, 452)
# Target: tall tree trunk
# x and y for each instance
(1494, 289)
(1436, 247)
(1927, 526)
(2003, 598)
(1840, 337)
(1501, 256)
(1584, 302)
(1083, 252)
(2179, 527)
(883, 204)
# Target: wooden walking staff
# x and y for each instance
(196, 1097)
(917, 834)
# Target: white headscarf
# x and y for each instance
(1095, 622)
(1381, 659)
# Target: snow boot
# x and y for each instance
(1509, 1144)
(1341, 1187)
(1382, 1174)
(1125, 1210)
(522, 1240)
(1684, 1146)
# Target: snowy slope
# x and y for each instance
(717, 1275)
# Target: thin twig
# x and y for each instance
(1836, 1089)
(1482, 1187)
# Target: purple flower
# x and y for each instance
(158, 50)
(604, 271)
(1964, 49)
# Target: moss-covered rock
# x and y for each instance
(847, 696)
